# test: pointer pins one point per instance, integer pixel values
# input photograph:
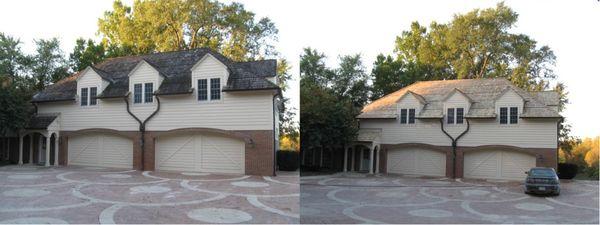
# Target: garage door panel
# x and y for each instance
(202, 153)
(176, 153)
(417, 161)
(102, 150)
(497, 164)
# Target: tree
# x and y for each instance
(477, 44)
(48, 64)
(11, 56)
(14, 112)
(86, 53)
(165, 25)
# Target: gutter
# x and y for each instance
(454, 144)
(142, 127)
(274, 138)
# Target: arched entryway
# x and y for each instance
(362, 157)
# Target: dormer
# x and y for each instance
(456, 105)
(209, 77)
(409, 106)
(144, 79)
(508, 106)
(90, 83)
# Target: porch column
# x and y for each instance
(30, 148)
(56, 138)
(371, 153)
(47, 163)
(20, 149)
(360, 159)
(321, 158)
(378, 156)
(345, 159)
(8, 149)
(353, 155)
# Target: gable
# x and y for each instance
(509, 97)
(144, 73)
(209, 67)
(457, 99)
(89, 78)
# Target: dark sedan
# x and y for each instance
(541, 180)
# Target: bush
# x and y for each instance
(567, 170)
(287, 160)
(592, 173)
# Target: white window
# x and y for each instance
(455, 115)
(407, 116)
(208, 91)
(143, 95)
(509, 115)
(215, 88)
(88, 96)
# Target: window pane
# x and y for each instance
(137, 93)
(514, 115)
(450, 116)
(148, 91)
(215, 89)
(202, 90)
(503, 115)
(411, 116)
(459, 115)
(93, 94)
(403, 116)
(84, 96)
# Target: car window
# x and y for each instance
(542, 173)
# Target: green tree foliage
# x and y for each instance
(330, 99)
(165, 25)
(49, 64)
(14, 112)
(86, 53)
(11, 56)
(477, 44)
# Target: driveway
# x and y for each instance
(31, 194)
(357, 198)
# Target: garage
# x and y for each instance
(416, 161)
(200, 153)
(102, 150)
(497, 164)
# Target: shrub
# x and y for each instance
(567, 170)
(592, 173)
(287, 160)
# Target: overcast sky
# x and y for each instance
(336, 28)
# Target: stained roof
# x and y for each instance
(40, 121)
(174, 66)
(482, 92)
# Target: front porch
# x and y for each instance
(41, 141)
(367, 146)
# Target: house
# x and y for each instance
(471, 128)
(190, 110)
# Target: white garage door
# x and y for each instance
(200, 153)
(102, 150)
(497, 164)
(416, 161)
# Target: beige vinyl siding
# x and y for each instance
(528, 133)
(142, 74)
(108, 114)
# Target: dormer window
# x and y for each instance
(407, 116)
(145, 96)
(88, 96)
(206, 94)
(509, 114)
(455, 115)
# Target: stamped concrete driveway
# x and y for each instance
(357, 198)
(30, 194)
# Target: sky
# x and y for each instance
(336, 27)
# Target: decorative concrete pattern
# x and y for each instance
(31, 194)
(351, 198)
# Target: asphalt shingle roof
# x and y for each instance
(40, 121)
(176, 69)
(483, 93)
